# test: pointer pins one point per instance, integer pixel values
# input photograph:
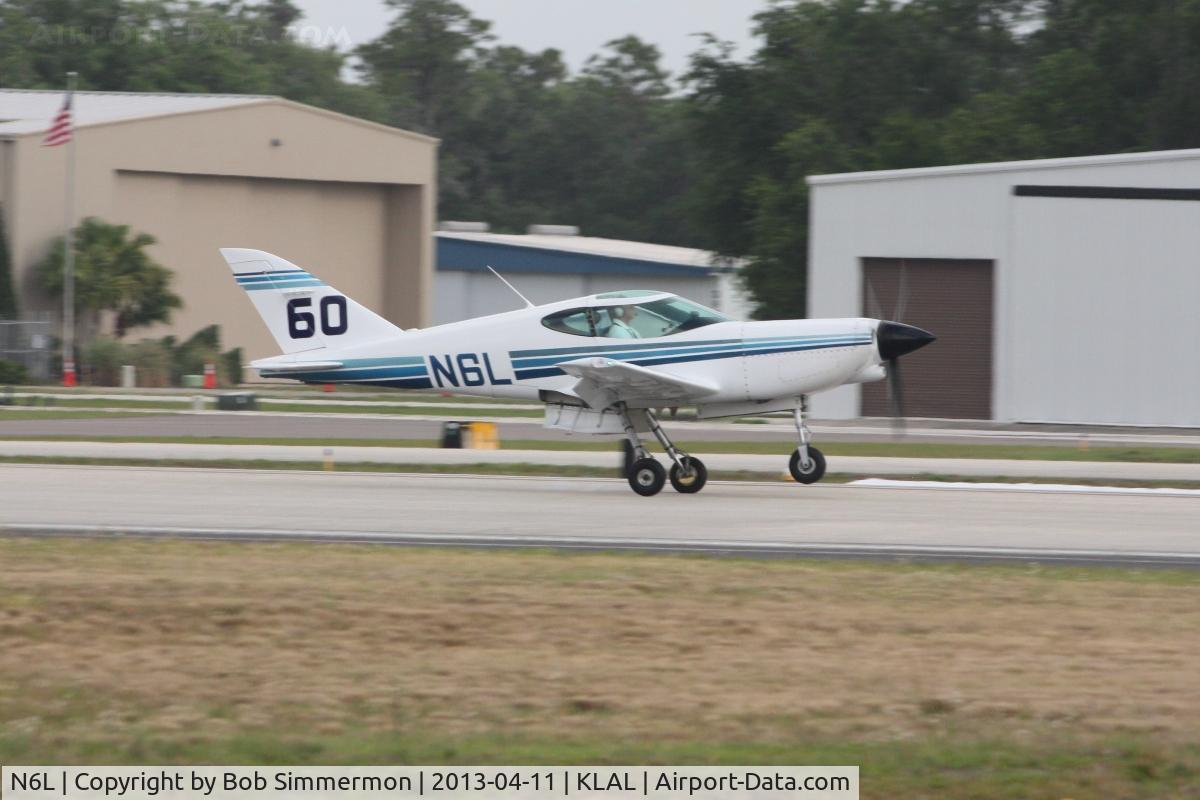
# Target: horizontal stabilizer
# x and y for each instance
(272, 365)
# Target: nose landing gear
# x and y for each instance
(807, 463)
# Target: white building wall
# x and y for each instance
(1067, 271)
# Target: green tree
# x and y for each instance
(780, 223)
(173, 46)
(615, 157)
(837, 85)
(422, 64)
(113, 272)
(493, 163)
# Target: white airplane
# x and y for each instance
(604, 364)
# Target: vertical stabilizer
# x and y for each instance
(303, 312)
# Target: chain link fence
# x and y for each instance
(30, 340)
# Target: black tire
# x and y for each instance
(692, 483)
(647, 477)
(816, 469)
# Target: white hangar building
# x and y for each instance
(1064, 290)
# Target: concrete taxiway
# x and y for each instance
(745, 518)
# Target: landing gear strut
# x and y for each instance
(646, 475)
(807, 464)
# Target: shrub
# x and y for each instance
(152, 358)
(12, 373)
(189, 358)
(103, 358)
(231, 363)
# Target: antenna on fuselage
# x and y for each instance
(509, 285)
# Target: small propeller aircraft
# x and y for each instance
(604, 364)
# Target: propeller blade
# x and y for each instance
(893, 340)
(896, 395)
(874, 310)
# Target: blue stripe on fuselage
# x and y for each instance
(655, 350)
(546, 372)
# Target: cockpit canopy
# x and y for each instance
(665, 315)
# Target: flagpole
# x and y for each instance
(68, 342)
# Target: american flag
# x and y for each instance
(60, 129)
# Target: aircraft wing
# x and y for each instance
(603, 381)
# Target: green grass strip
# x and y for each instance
(1173, 455)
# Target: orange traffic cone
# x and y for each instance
(210, 376)
(69, 373)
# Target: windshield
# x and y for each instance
(664, 317)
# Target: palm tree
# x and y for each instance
(114, 273)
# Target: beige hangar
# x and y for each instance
(352, 201)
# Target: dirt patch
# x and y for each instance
(186, 640)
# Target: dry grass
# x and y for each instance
(113, 640)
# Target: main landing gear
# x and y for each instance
(646, 476)
(807, 463)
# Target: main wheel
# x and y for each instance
(816, 466)
(647, 476)
(692, 481)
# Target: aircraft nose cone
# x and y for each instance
(896, 339)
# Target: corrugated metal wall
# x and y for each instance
(952, 378)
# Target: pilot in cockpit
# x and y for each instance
(622, 326)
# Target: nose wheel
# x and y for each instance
(811, 472)
(807, 463)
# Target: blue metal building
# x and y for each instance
(549, 266)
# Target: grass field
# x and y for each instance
(949, 682)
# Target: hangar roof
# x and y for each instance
(26, 111)
(572, 254)
(29, 111)
(1005, 166)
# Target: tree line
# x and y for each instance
(714, 158)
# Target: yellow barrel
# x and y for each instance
(482, 436)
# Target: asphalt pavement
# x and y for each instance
(966, 523)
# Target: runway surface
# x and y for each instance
(743, 518)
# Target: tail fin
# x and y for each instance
(303, 312)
